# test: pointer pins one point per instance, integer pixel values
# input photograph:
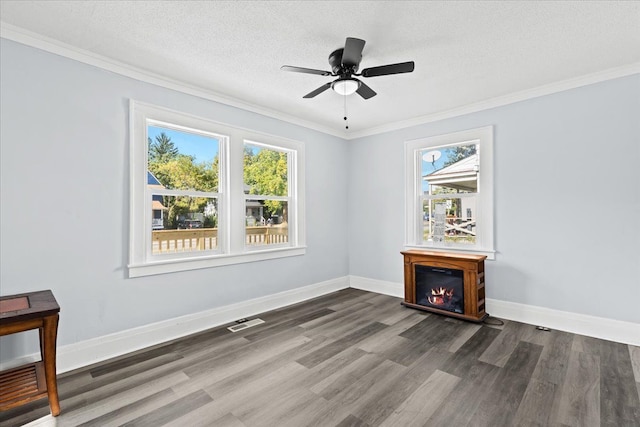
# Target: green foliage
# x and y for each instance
(266, 174)
(180, 172)
(458, 153)
(210, 221)
(162, 149)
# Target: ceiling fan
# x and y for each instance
(344, 65)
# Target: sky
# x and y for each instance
(203, 148)
(438, 163)
(428, 167)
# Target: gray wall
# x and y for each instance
(567, 200)
(65, 202)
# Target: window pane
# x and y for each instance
(181, 160)
(183, 224)
(266, 222)
(265, 171)
(451, 169)
(460, 222)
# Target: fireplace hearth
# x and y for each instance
(445, 283)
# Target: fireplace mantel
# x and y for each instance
(472, 267)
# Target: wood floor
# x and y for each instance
(354, 358)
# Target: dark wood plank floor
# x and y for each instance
(354, 358)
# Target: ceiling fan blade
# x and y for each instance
(318, 91)
(383, 70)
(365, 91)
(352, 52)
(305, 70)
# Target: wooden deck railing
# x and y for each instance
(263, 235)
(455, 225)
(166, 241)
(456, 230)
(198, 239)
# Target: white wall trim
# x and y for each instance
(29, 38)
(377, 286)
(94, 350)
(598, 327)
(583, 324)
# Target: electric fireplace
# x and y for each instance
(445, 283)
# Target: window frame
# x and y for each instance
(230, 194)
(484, 197)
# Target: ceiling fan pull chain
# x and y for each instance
(345, 112)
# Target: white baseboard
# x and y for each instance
(377, 286)
(598, 327)
(94, 350)
(583, 324)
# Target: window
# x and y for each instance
(205, 194)
(183, 169)
(267, 194)
(449, 192)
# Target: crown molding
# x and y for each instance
(47, 44)
(500, 101)
(29, 38)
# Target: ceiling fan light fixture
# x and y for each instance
(346, 86)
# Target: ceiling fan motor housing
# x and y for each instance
(335, 60)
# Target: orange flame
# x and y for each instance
(440, 296)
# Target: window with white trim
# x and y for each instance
(267, 194)
(205, 194)
(449, 192)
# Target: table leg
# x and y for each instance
(50, 332)
(41, 333)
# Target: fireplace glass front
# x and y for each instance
(441, 288)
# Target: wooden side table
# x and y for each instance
(23, 312)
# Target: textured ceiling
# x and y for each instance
(464, 52)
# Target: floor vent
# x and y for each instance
(245, 325)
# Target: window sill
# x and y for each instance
(489, 253)
(185, 264)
